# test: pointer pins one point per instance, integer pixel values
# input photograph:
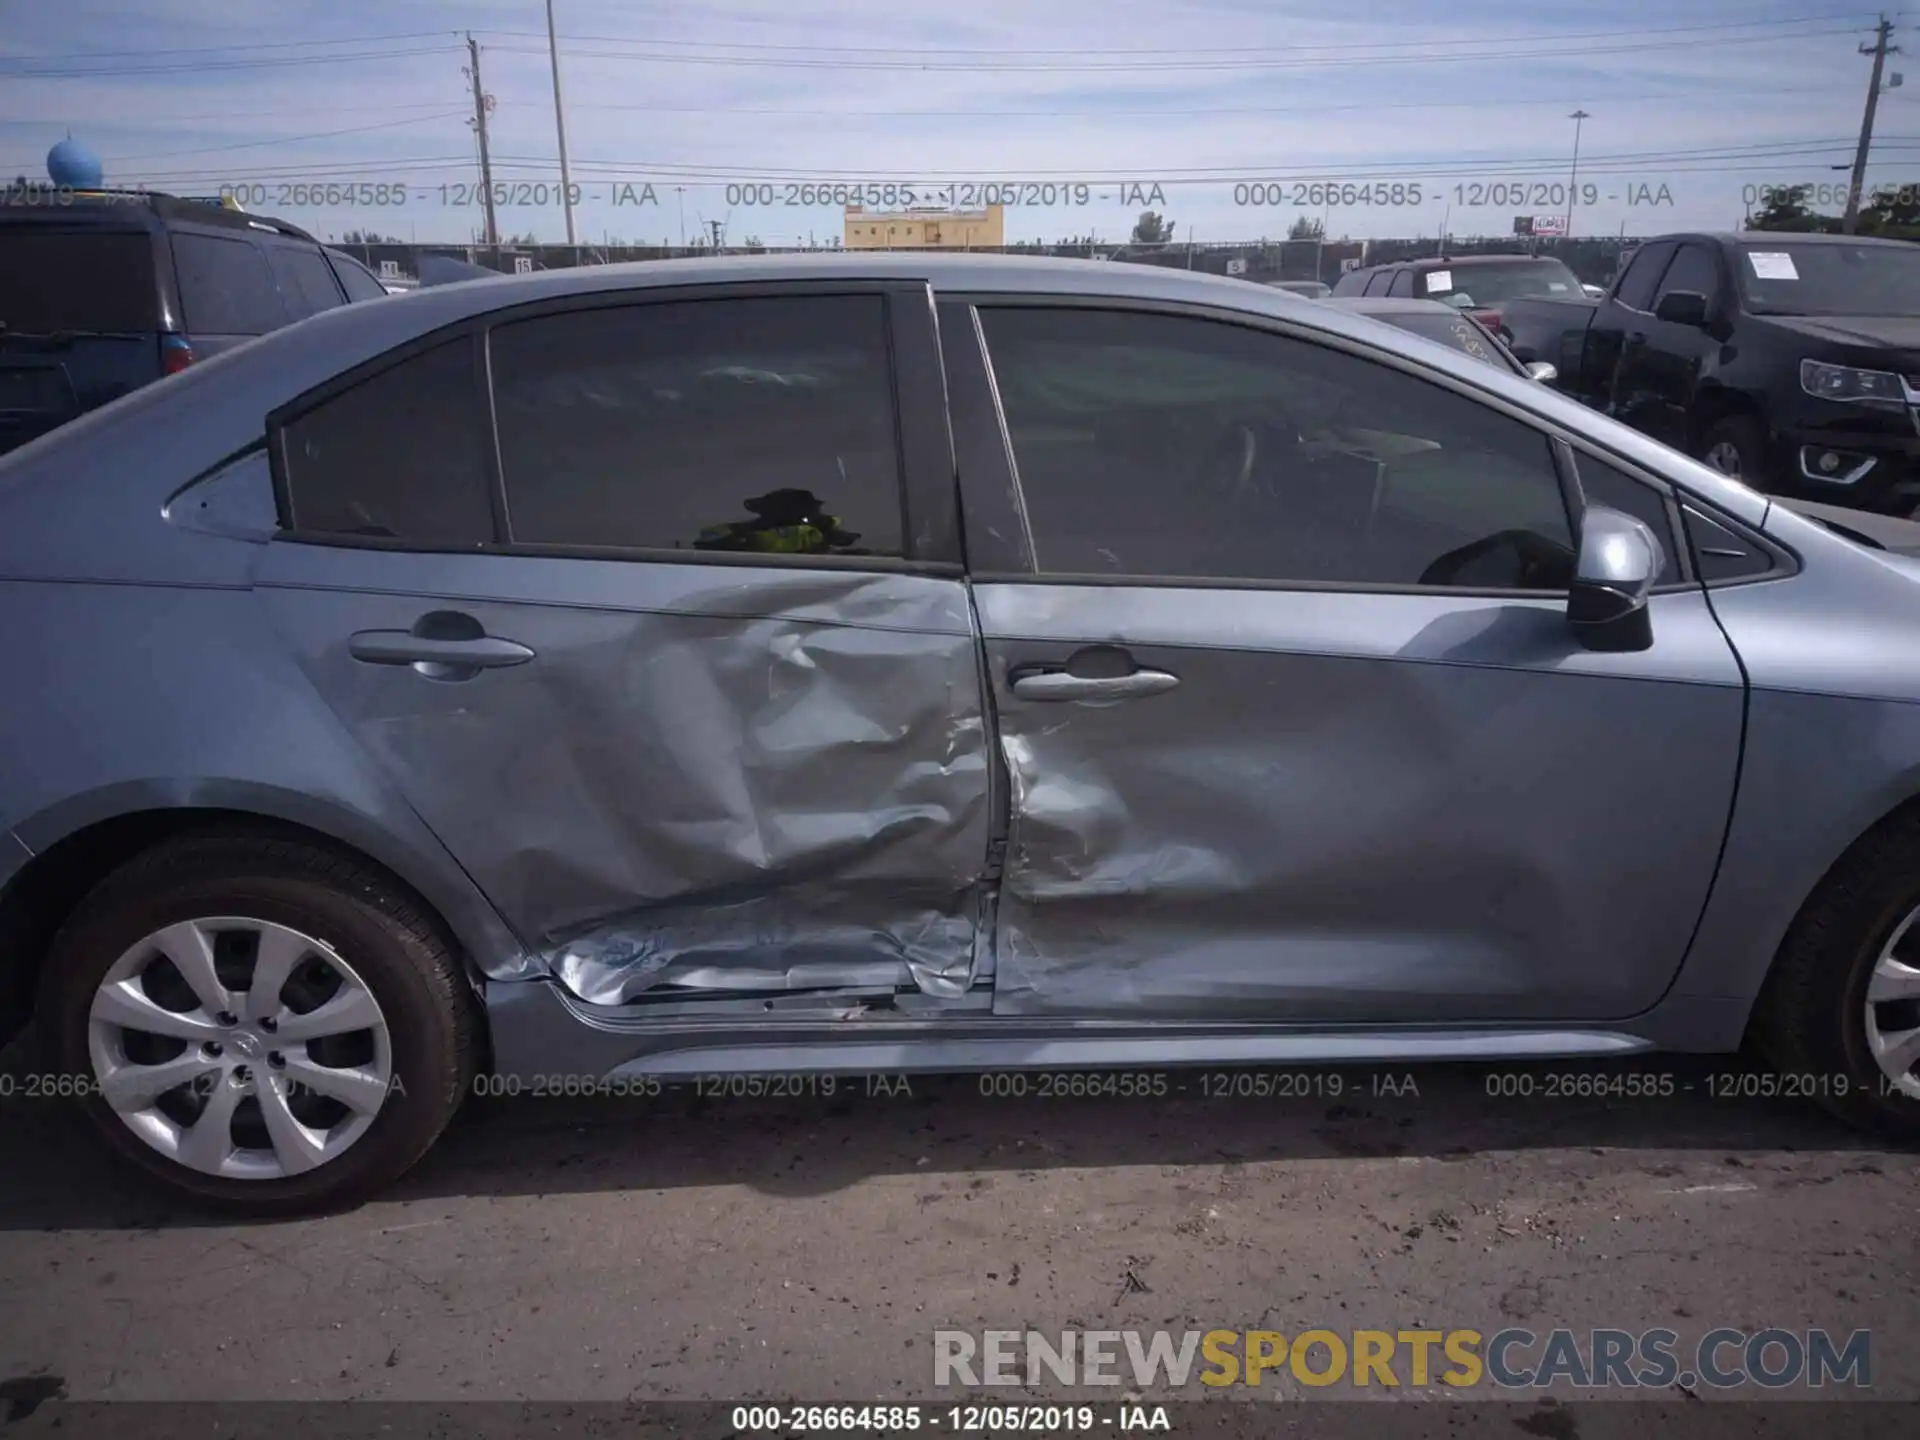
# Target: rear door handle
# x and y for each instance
(403, 647)
(1059, 685)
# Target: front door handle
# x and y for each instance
(1060, 685)
(403, 647)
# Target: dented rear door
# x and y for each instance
(691, 688)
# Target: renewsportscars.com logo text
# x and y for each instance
(1722, 1358)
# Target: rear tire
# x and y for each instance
(1814, 1022)
(345, 934)
(1739, 442)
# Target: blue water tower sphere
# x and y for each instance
(72, 164)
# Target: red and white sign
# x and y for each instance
(1549, 224)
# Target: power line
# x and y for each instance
(1103, 112)
(948, 51)
(1769, 150)
(1163, 65)
(223, 49)
(1771, 156)
(148, 121)
(218, 65)
(443, 114)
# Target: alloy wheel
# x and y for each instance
(1893, 1008)
(240, 1048)
(1724, 456)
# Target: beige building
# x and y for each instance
(928, 229)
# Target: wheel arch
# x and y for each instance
(1713, 403)
(1904, 814)
(79, 843)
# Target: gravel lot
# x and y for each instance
(807, 1248)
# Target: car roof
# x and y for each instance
(135, 210)
(1394, 305)
(1453, 262)
(1795, 237)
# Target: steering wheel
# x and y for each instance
(1227, 465)
(1240, 463)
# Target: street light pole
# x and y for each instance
(1573, 179)
(560, 123)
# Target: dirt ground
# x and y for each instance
(807, 1248)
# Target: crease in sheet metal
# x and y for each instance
(1293, 833)
(818, 820)
(707, 779)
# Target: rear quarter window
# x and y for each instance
(397, 457)
(87, 281)
(306, 280)
(225, 286)
(360, 282)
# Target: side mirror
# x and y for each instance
(1545, 373)
(1613, 576)
(1682, 307)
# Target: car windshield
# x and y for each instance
(1456, 331)
(1782, 278)
(1490, 284)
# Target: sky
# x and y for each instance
(1231, 118)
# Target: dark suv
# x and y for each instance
(1478, 284)
(103, 292)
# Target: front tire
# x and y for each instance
(1840, 1013)
(1736, 445)
(259, 1024)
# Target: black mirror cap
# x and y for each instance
(1607, 619)
(1682, 307)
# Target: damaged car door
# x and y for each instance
(1296, 725)
(651, 606)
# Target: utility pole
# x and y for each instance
(1880, 49)
(1573, 179)
(481, 103)
(560, 123)
(715, 226)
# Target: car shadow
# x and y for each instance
(804, 1142)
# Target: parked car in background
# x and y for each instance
(1449, 326)
(1312, 289)
(103, 292)
(1482, 285)
(994, 662)
(1788, 360)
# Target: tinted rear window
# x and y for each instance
(359, 281)
(306, 280)
(89, 281)
(225, 286)
(397, 457)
